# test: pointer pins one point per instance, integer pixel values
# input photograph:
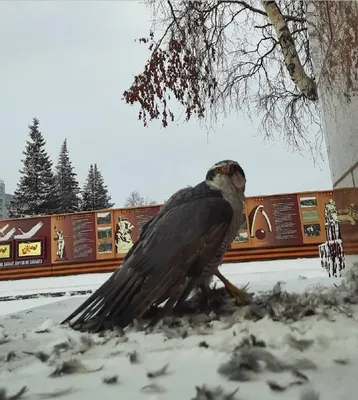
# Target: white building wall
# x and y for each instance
(334, 34)
(333, 29)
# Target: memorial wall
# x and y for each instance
(277, 226)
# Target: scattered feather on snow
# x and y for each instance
(86, 342)
(195, 316)
(276, 387)
(4, 337)
(247, 362)
(134, 357)
(159, 372)
(251, 356)
(341, 361)
(72, 367)
(4, 396)
(11, 355)
(251, 341)
(63, 346)
(216, 393)
(110, 380)
(300, 345)
(300, 379)
(300, 375)
(153, 388)
(40, 355)
(45, 327)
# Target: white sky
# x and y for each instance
(68, 63)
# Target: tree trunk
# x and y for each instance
(293, 64)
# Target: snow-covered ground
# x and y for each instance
(32, 326)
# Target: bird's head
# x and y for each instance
(225, 175)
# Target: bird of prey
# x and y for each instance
(178, 250)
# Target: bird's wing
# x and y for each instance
(184, 230)
(174, 247)
(181, 196)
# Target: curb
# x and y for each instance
(50, 294)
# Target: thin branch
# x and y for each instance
(217, 57)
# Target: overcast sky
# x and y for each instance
(68, 63)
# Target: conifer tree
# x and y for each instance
(36, 192)
(66, 182)
(88, 193)
(95, 193)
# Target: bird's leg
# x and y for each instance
(235, 292)
(185, 294)
(205, 290)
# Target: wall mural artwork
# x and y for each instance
(60, 240)
(331, 251)
(24, 242)
(347, 212)
(124, 240)
(73, 238)
(128, 226)
(15, 232)
(310, 217)
(274, 221)
(5, 251)
(283, 220)
(105, 235)
(30, 249)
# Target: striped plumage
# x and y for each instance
(236, 200)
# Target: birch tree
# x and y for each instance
(217, 57)
(136, 200)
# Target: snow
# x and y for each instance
(32, 325)
(259, 274)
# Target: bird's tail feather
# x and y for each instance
(152, 290)
(92, 300)
(110, 301)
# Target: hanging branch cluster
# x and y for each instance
(218, 56)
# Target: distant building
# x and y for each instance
(5, 200)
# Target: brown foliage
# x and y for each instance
(214, 57)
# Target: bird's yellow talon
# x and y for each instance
(238, 294)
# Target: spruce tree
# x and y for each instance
(88, 200)
(95, 193)
(66, 182)
(36, 191)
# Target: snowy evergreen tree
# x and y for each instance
(88, 192)
(66, 183)
(36, 191)
(95, 193)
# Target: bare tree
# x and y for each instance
(215, 57)
(135, 200)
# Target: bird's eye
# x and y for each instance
(219, 169)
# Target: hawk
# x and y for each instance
(178, 250)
